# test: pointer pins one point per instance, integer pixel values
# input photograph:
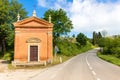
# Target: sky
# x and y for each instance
(86, 15)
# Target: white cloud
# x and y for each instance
(93, 16)
(42, 3)
(89, 15)
(53, 4)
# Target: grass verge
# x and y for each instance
(109, 58)
(55, 62)
(63, 57)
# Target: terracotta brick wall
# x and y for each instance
(22, 34)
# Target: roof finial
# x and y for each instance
(34, 13)
(18, 17)
(49, 18)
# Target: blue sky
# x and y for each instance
(87, 15)
(29, 6)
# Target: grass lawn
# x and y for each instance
(110, 58)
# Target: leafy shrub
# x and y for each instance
(116, 51)
(111, 46)
(105, 42)
(68, 48)
(8, 56)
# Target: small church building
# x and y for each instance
(33, 40)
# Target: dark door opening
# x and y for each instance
(33, 53)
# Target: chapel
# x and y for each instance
(33, 39)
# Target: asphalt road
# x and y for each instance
(86, 66)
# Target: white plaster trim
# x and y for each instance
(38, 52)
(17, 32)
(28, 53)
(49, 32)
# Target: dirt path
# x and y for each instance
(22, 74)
(3, 65)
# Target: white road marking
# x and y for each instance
(90, 68)
(88, 63)
(93, 72)
(98, 78)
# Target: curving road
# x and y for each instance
(86, 66)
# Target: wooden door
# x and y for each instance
(33, 53)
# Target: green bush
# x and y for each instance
(111, 46)
(116, 51)
(8, 56)
(106, 42)
(106, 50)
(69, 48)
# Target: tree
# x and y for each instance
(62, 24)
(99, 35)
(8, 14)
(81, 39)
(94, 38)
(15, 8)
(4, 12)
(73, 36)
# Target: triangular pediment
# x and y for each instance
(33, 22)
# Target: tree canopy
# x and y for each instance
(14, 8)
(96, 37)
(62, 24)
(8, 14)
(81, 39)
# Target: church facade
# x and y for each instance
(33, 40)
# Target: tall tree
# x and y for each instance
(73, 36)
(14, 8)
(62, 24)
(81, 39)
(99, 35)
(8, 13)
(4, 19)
(94, 38)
